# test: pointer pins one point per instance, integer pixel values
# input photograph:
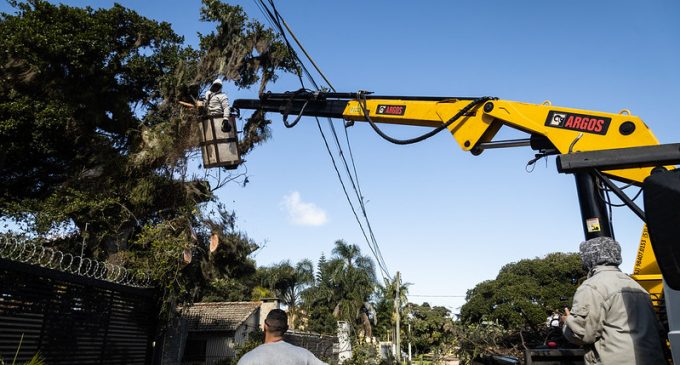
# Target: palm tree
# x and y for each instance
(385, 305)
(354, 277)
(288, 282)
(343, 283)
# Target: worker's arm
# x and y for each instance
(583, 324)
(474, 122)
(224, 101)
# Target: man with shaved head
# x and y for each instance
(275, 350)
(612, 315)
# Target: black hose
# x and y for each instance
(465, 110)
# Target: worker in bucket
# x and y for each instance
(612, 315)
(216, 102)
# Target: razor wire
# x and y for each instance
(35, 254)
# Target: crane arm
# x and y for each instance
(474, 122)
(594, 146)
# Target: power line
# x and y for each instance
(375, 249)
(344, 189)
(356, 187)
(372, 243)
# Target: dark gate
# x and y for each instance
(71, 319)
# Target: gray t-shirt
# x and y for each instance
(279, 353)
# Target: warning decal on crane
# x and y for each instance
(578, 122)
(593, 225)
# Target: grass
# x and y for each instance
(35, 360)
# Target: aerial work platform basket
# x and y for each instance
(219, 141)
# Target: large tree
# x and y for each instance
(525, 292)
(428, 329)
(94, 147)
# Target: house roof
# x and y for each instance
(218, 316)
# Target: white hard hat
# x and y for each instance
(217, 81)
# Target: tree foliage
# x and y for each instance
(475, 340)
(384, 307)
(343, 284)
(287, 282)
(94, 146)
(431, 329)
(525, 292)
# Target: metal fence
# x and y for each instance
(76, 315)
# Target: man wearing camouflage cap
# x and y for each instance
(612, 315)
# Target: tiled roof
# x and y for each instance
(218, 316)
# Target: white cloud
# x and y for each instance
(302, 213)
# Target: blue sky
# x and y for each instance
(446, 219)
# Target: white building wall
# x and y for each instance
(267, 305)
(247, 327)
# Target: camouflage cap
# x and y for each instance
(600, 251)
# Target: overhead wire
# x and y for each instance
(376, 248)
(363, 231)
(262, 10)
(275, 17)
(356, 187)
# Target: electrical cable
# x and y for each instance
(280, 30)
(418, 139)
(360, 195)
(277, 19)
(259, 6)
(376, 250)
(356, 186)
(301, 47)
(337, 171)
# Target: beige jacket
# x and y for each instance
(217, 103)
(612, 317)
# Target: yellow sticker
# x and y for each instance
(593, 225)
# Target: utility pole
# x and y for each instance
(409, 338)
(396, 308)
